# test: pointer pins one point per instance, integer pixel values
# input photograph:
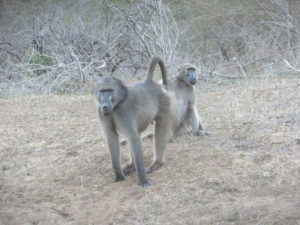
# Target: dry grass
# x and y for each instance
(55, 167)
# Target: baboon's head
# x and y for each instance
(187, 74)
(109, 92)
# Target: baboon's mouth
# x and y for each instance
(106, 113)
(106, 110)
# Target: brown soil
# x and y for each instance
(55, 167)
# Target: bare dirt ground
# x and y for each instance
(55, 167)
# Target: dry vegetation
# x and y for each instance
(55, 166)
(56, 47)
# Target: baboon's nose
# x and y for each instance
(106, 110)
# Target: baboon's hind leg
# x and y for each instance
(161, 135)
(129, 167)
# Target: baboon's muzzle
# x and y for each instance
(106, 110)
(193, 81)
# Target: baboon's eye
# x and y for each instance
(106, 90)
(191, 72)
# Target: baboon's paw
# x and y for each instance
(208, 134)
(119, 178)
(144, 184)
(199, 133)
(148, 136)
(154, 167)
(123, 142)
(128, 169)
(202, 133)
(170, 140)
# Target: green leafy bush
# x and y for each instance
(37, 61)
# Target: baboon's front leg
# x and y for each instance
(162, 132)
(137, 157)
(114, 148)
(194, 120)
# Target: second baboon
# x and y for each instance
(183, 103)
(129, 109)
(183, 106)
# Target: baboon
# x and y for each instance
(183, 106)
(129, 109)
(183, 103)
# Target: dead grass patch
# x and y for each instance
(55, 166)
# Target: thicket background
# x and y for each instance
(58, 46)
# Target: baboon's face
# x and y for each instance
(109, 93)
(191, 76)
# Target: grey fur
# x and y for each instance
(183, 101)
(129, 110)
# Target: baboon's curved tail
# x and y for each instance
(157, 60)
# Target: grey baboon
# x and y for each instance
(129, 109)
(183, 103)
(183, 107)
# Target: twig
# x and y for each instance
(289, 65)
(63, 214)
(83, 77)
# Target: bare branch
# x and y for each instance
(290, 66)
